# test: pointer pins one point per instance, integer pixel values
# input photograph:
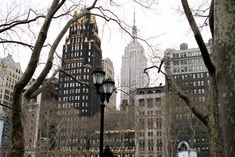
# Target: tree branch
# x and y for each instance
(49, 63)
(119, 23)
(180, 93)
(203, 117)
(76, 80)
(37, 48)
(147, 5)
(202, 46)
(20, 22)
(16, 42)
(151, 67)
(211, 18)
(44, 86)
(92, 6)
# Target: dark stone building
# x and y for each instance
(78, 101)
(81, 54)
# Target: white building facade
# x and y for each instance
(10, 73)
(151, 123)
(134, 62)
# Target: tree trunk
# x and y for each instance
(17, 149)
(216, 146)
(225, 54)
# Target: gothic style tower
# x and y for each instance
(77, 100)
(81, 54)
(133, 64)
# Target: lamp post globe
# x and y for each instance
(98, 76)
(107, 88)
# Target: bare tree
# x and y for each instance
(223, 38)
(17, 132)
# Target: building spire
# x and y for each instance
(134, 17)
(134, 30)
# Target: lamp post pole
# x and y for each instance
(102, 106)
(104, 88)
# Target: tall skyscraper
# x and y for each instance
(81, 54)
(188, 69)
(133, 64)
(107, 66)
(77, 100)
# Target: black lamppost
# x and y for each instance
(104, 89)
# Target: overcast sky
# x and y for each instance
(162, 26)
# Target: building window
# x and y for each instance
(150, 103)
(202, 83)
(199, 83)
(141, 102)
(142, 145)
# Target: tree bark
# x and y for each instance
(224, 43)
(213, 127)
(17, 149)
(214, 130)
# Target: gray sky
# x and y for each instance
(162, 26)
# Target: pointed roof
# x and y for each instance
(8, 61)
(134, 30)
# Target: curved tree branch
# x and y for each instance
(44, 86)
(76, 80)
(211, 18)
(119, 23)
(49, 63)
(92, 6)
(14, 23)
(37, 47)
(180, 93)
(202, 46)
(16, 42)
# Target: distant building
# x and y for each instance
(48, 118)
(107, 66)
(31, 127)
(151, 123)
(188, 69)
(133, 64)
(41, 120)
(10, 73)
(121, 142)
(119, 135)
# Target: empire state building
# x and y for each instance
(133, 64)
